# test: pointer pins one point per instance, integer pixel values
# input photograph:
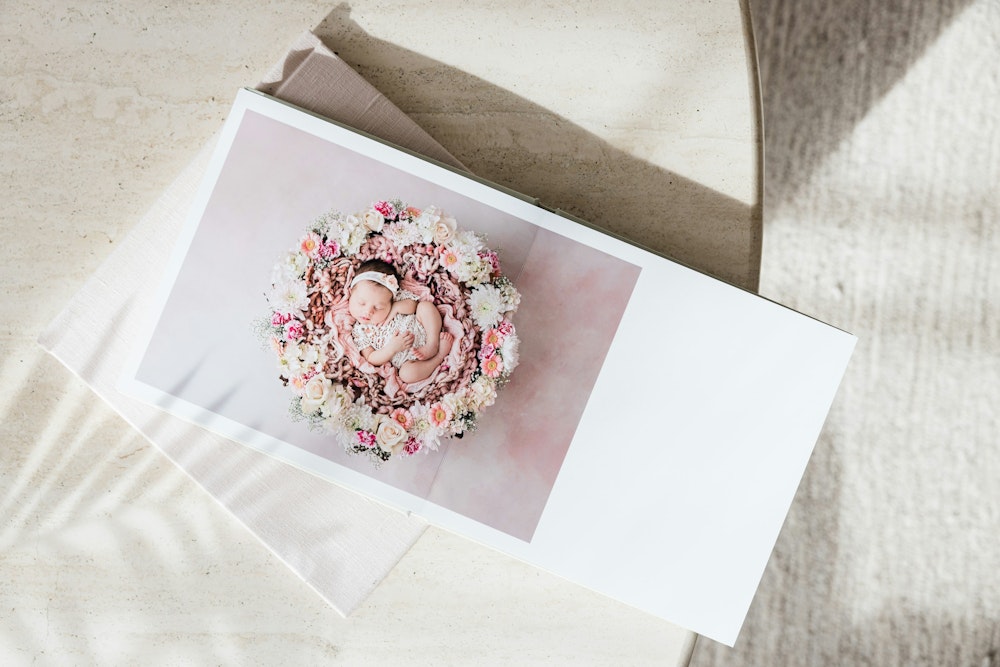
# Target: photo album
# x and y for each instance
(459, 351)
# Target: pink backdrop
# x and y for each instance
(275, 181)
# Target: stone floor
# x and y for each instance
(638, 119)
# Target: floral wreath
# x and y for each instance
(369, 409)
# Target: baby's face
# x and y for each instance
(369, 302)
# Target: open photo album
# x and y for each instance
(459, 351)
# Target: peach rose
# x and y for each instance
(315, 392)
(373, 220)
(444, 229)
(390, 433)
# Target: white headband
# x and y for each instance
(383, 279)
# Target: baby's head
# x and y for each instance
(372, 290)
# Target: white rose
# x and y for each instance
(390, 436)
(315, 392)
(444, 229)
(470, 242)
(372, 220)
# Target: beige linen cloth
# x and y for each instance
(339, 542)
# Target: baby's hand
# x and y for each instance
(401, 340)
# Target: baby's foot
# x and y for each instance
(428, 351)
(445, 343)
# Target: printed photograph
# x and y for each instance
(464, 354)
(387, 324)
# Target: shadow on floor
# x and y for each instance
(511, 141)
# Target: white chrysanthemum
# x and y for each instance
(510, 352)
(359, 416)
(467, 242)
(288, 296)
(402, 235)
(486, 305)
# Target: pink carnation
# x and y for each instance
(411, 447)
(366, 439)
(387, 210)
(294, 330)
(279, 319)
(487, 351)
(328, 250)
(505, 327)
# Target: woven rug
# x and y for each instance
(881, 217)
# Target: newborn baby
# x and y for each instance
(393, 326)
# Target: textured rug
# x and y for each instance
(881, 216)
